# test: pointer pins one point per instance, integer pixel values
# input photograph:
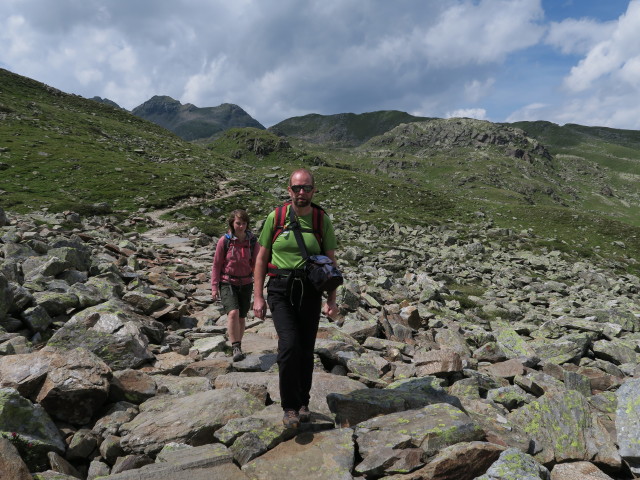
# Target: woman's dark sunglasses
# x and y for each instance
(297, 188)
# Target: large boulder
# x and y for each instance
(71, 386)
(565, 427)
(513, 463)
(628, 423)
(360, 405)
(29, 428)
(179, 461)
(431, 429)
(318, 457)
(192, 419)
(110, 330)
(11, 464)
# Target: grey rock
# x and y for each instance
(130, 462)
(36, 319)
(71, 385)
(4, 220)
(614, 351)
(6, 297)
(628, 423)
(192, 419)
(566, 427)
(318, 456)
(31, 425)
(513, 463)
(133, 386)
(194, 463)
(60, 465)
(111, 331)
(56, 303)
(97, 469)
(578, 471)
(430, 428)
(359, 405)
(113, 417)
(465, 460)
(110, 448)
(143, 302)
(83, 443)
(11, 464)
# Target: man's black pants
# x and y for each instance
(295, 307)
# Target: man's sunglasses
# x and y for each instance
(297, 188)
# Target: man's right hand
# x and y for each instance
(215, 294)
(259, 307)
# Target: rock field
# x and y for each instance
(459, 354)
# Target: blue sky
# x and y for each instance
(565, 61)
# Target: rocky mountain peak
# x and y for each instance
(191, 122)
(425, 137)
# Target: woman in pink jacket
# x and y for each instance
(232, 276)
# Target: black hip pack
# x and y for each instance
(319, 269)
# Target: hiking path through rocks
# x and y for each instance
(168, 229)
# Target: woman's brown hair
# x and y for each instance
(241, 214)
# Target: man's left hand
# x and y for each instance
(330, 309)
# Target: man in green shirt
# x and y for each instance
(294, 303)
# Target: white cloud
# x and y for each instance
(14, 40)
(477, 113)
(531, 112)
(88, 75)
(607, 59)
(574, 36)
(483, 32)
(282, 58)
(476, 89)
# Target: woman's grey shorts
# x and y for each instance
(236, 297)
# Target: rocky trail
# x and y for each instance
(461, 353)
(167, 228)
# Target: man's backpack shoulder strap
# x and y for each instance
(280, 221)
(318, 224)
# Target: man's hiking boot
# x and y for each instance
(305, 414)
(237, 353)
(291, 419)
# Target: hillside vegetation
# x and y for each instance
(65, 152)
(574, 188)
(343, 129)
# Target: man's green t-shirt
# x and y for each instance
(285, 251)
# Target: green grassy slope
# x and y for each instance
(64, 151)
(344, 129)
(574, 187)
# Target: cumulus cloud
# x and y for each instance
(612, 59)
(477, 113)
(531, 112)
(578, 36)
(283, 58)
(484, 32)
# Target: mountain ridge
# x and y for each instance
(194, 123)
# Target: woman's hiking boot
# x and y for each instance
(237, 353)
(291, 419)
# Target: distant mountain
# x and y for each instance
(343, 129)
(193, 123)
(105, 101)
